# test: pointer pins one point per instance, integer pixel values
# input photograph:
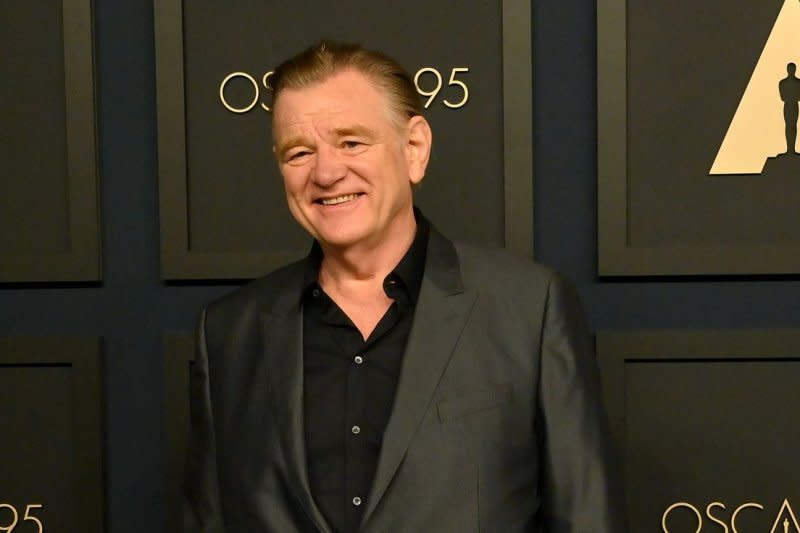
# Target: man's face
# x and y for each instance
(347, 166)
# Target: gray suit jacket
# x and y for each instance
(497, 423)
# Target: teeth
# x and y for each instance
(338, 199)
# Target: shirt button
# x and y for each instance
(356, 430)
(356, 501)
(315, 293)
(358, 359)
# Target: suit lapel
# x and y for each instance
(282, 347)
(442, 312)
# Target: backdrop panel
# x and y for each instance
(51, 415)
(705, 423)
(692, 126)
(222, 205)
(48, 156)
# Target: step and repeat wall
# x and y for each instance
(697, 179)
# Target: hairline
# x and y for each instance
(395, 113)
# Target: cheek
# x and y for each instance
(293, 181)
(387, 172)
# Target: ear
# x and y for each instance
(418, 147)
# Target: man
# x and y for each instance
(789, 88)
(391, 381)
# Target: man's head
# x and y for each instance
(350, 143)
(791, 68)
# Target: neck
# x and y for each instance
(367, 264)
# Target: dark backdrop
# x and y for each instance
(132, 308)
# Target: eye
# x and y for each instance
(297, 155)
(351, 145)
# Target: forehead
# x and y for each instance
(344, 97)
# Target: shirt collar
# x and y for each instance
(404, 280)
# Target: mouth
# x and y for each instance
(336, 200)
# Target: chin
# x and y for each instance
(343, 238)
(338, 241)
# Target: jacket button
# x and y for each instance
(356, 501)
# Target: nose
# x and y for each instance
(329, 167)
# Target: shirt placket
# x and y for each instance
(355, 414)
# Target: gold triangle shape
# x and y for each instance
(757, 129)
(788, 508)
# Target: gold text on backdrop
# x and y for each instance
(14, 517)
(784, 519)
(457, 86)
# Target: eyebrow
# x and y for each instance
(358, 130)
(291, 142)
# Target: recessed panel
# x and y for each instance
(236, 198)
(33, 154)
(51, 453)
(37, 447)
(49, 211)
(710, 431)
(684, 90)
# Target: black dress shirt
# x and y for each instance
(349, 385)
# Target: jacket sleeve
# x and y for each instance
(579, 482)
(202, 511)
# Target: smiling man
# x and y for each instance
(392, 380)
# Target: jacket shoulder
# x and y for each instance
(268, 293)
(499, 269)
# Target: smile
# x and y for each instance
(338, 199)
